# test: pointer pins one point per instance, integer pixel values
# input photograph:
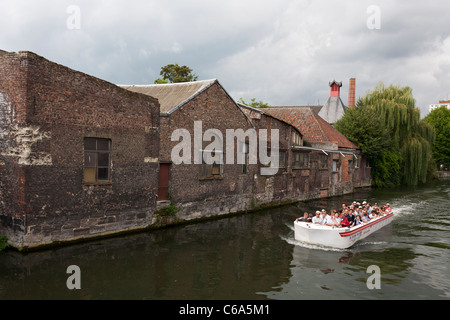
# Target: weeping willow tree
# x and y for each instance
(411, 137)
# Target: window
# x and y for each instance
(335, 165)
(350, 166)
(214, 169)
(296, 139)
(300, 160)
(97, 160)
(323, 161)
(282, 159)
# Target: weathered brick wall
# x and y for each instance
(13, 93)
(215, 110)
(61, 107)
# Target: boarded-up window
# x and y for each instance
(97, 160)
(208, 170)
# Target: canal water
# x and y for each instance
(251, 257)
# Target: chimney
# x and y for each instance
(351, 93)
(335, 88)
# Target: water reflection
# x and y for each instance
(253, 256)
(323, 273)
(231, 258)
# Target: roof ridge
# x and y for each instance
(167, 84)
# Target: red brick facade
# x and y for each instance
(46, 112)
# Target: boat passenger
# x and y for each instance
(329, 220)
(357, 220)
(348, 216)
(317, 219)
(388, 208)
(304, 218)
(323, 215)
(344, 221)
(336, 218)
(365, 218)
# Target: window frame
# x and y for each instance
(100, 175)
(323, 162)
(303, 162)
(206, 170)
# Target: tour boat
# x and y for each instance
(335, 237)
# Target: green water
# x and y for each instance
(252, 256)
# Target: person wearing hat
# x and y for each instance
(388, 208)
(317, 219)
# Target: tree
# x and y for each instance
(254, 103)
(411, 138)
(366, 129)
(440, 119)
(173, 73)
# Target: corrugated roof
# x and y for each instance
(173, 95)
(312, 126)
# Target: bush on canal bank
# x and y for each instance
(3, 243)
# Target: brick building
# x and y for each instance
(204, 190)
(81, 157)
(78, 155)
(336, 164)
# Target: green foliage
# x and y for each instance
(364, 127)
(254, 103)
(405, 155)
(161, 81)
(3, 243)
(169, 210)
(440, 119)
(173, 73)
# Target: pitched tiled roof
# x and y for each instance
(172, 96)
(312, 126)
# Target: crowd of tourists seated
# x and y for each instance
(348, 215)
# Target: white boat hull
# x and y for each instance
(334, 237)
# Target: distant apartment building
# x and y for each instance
(446, 103)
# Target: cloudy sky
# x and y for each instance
(282, 52)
